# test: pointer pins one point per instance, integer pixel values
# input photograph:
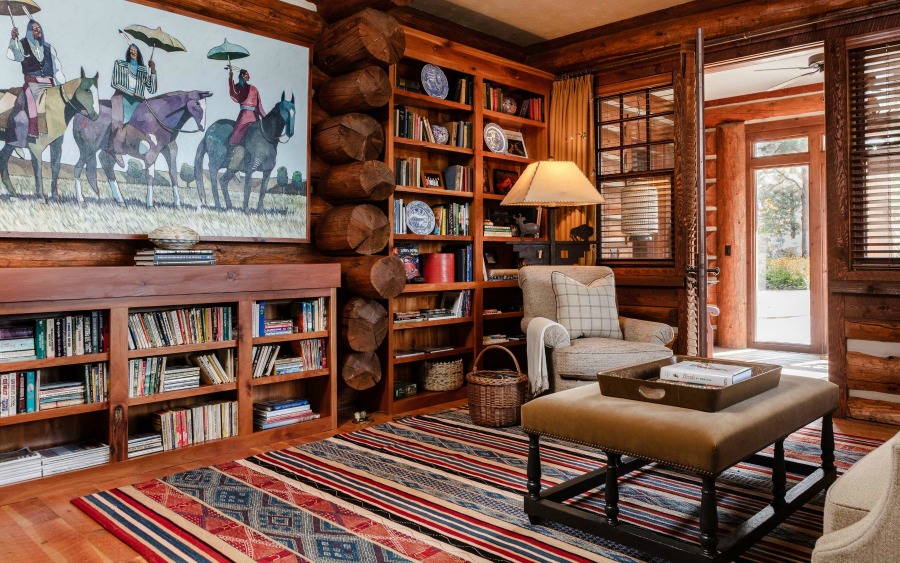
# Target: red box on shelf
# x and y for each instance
(438, 268)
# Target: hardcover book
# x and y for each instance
(704, 373)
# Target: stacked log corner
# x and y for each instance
(368, 37)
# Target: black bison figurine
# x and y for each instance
(582, 232)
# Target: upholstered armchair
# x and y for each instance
(576, 361)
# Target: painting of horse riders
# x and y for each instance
(150, 119)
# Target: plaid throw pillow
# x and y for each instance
(587, 310)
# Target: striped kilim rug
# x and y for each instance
(428, 488)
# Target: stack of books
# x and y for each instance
(17, 343)
(61, 394)
(20, 465)
(155, 329)
(146, 375)
(144, 444)
(73, 456)
(264, 358)
(704, 373)
(494, 339)
(180, 377)
(498, 231)
(288, 365)
(401, 317)
(162, 257)
(278, 326)
(281, 412)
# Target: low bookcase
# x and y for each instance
(143, 319)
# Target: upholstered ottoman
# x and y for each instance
(703, 443)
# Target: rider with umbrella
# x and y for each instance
(242, 92)
(132, 82)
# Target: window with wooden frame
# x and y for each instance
(635, 173)
(874, 177)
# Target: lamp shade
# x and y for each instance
(640, 211)
(552, 183)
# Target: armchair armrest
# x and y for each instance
(637, 330)
(555, 337)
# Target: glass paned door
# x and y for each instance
(782, 256)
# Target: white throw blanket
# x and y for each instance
(538, 375)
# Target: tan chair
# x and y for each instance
(576, 362)
(861, 523)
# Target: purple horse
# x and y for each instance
(150, 132)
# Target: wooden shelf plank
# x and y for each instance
(438, 322)
(259, 340)
(501, 283)
(433, 192)
(400, 141)
(509, 315)
(428, 287)
(507, 344)
(307, 374)
(497, 197)
(428, 399)
(508, 158)
(28, 365)
(438, 238)
(433, 355)
(53, 413)
(405, 97)
(500, 239)
(181, 394)
(509, 121)
(183, 349)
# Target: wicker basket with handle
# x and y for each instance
(495, 396)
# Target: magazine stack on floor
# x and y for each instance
(19, 465)
(281, 412)
(70, 457)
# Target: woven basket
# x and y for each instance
(495, 396)
(442, 376)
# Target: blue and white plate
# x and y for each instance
(495, 138)
(419, 218)
(441, 135)
(434, 81)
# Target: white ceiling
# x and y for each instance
(760, 75)
(528, 22)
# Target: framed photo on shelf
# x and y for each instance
(490, 258)
(515, 144)
(432, 179)
(504, 180)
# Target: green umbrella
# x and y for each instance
(155, 38)
(227, 52)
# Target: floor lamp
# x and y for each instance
(552, 184)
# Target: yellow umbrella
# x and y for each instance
(19, 8)
(155, 38)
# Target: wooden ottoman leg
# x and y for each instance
(611, 492)
(827, 444)
(779, 477)
(534, 472)
(709, 519)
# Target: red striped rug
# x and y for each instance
(429, 488)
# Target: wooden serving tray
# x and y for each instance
(641, 383)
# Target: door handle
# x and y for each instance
(713, 271)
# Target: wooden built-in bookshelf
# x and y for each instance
(38, 293)
(464, 334)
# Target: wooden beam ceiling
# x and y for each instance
(334, 10)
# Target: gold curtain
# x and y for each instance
(571, 123)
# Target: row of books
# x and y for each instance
(24, 464)
(410, 125)
(498, 231)
(163, 257)
(148, 376)
(176, 327)
(462, 89)
(37, 339)
(307, 315)
(281, 412)
(462, 261)
(23, 392)
(313, 353)
(449, 218)
(214, 372)
(453, 304)
(459, 178)
(530, 108)
(408, 172)
(266, 361)
(144, 444)
(184, 426)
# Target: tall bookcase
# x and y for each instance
(115, 294)
(483, 72)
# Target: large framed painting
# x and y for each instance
(117, 118)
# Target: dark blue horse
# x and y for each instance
(256, 152)
(150, 132)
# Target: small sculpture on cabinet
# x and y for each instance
(526, 229)
(582, 232)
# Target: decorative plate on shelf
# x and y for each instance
(419, 218)
(441, 135)
(434, 81)
(508, 106)
(495, 138)
(174, 237)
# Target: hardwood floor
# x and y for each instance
(46, 527)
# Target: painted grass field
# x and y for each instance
(283, 216)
